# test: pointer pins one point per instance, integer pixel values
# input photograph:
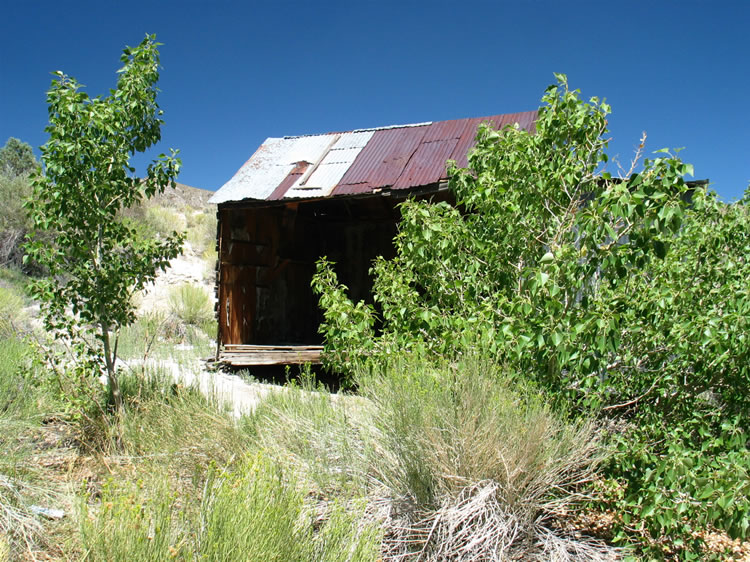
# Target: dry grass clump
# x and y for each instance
(474, 466)
(19, 528)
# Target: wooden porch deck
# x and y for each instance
(249, 355)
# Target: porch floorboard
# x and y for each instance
(246, 355)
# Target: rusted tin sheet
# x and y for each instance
(359, 162)
(293, 177)
(382, 161)
(466, 131)
(427, 164)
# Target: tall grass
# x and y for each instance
(458, 461)
(251, 512)
(190, 482)
(11, 312)
(21, 481)
(132, 522)
(259, 513)
(170, 427)
(316, 434)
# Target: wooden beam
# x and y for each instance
(244, 355)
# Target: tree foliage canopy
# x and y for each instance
(17, 163)
(620, 296)
(17, 158)
(97, 261)
(521, 270)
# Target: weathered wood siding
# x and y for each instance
(267, 258)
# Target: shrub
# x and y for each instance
(163, 221)
(193, 309)
(201, 230)
(623, 297)
(457, 460)
(521, 266)
(476, 465)
(669, 492)
(17, 162)
(191, 305)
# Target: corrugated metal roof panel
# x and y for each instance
(427, 164)
(382, 161)
(260, 175)
(308, 149)
(269, 166)
(468, 134)
(322, 180)
(332, 167)
(353, 140)
(338, 155)
(468, 131)
(294, 176)
(356, 162)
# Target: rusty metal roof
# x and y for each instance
(360, 161)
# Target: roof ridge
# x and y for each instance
(366, 130)
(402, 126)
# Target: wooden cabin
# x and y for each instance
(335, 195)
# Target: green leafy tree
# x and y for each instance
(97, 261)
(17, 158)
(520, 271)
(17, 162)
(622, 296)
(684, 381)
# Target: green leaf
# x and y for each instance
(557, 338)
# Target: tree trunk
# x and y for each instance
(113, 385)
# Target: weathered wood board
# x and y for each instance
(249, 355)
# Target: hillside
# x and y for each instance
(184, 209)
(184, 195)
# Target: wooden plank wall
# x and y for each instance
(267, 258)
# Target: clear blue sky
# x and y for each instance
(235, 73)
